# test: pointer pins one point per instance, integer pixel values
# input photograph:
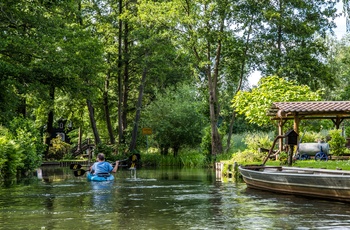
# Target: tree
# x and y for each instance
(175, 119)
(340, 64)
(291, 44)
(255, 104)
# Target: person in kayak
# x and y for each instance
(103, 167)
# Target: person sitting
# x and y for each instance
(102, 167)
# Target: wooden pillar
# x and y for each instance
(280, 133)
(296, 123)
(290, 155)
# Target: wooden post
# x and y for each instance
(218, 169)
(280, 133)
(296, 123)
(235, 168)
(290, 155)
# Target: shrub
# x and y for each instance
(310, 137)
(254, 141)
(11, 156)
(59, 149)
(283, 158)
(337, 142)
(248, 156)
(28, 137)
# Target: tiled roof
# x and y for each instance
(319, 108)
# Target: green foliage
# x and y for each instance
(339, 61)
(337, 142)
(107, 150)
(254, 141)
(59, 149)
(11, 155)
(283, 158)
(247, 155)
(310, 137)
(206, 141)
(77, 56)
(255, 104)
(238, 142)
(186, 158)
(347, 131)
(223, 157)
(175, 119)
(291, 42)
(21, 147)
(28, 137)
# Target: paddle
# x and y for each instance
(79, 166)
(134, 159)
(79, 172)
(75, 166)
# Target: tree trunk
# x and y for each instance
(93, 122)
(176, 150)
(228, 143)
(279, 35)
(138, 110)
(79, 141)
(120, 82)
(230, 131)
(214, 109)
(49, 124)
(22, 108)
(106, 109)
(126, 77)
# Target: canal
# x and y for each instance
(158, 199)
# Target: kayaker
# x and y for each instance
(101, 166)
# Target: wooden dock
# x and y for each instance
(65, 163)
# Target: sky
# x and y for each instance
(340, 31)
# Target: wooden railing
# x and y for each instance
(86, 144)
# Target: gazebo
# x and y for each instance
(337, 111)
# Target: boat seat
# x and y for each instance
(103, 174)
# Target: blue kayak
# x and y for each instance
(100, 177)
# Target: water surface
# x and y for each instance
(158, 199)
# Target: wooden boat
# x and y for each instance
(321, 183)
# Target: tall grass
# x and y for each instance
(186, 158)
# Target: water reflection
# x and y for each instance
(102, 196)
(159, 199)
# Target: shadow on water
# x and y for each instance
(164, 198)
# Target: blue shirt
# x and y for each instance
(102, 167)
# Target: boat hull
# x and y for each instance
(326, 184)
(91, 177)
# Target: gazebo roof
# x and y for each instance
(310, 110)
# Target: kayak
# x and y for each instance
(100, 177)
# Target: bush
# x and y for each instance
(59, 149)
(107, 150)
(310, 137)
(337, 142)
(186, 158)
(11, 155)
(248, 156)
(29, 140)
(283, 158)
(254, 141)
